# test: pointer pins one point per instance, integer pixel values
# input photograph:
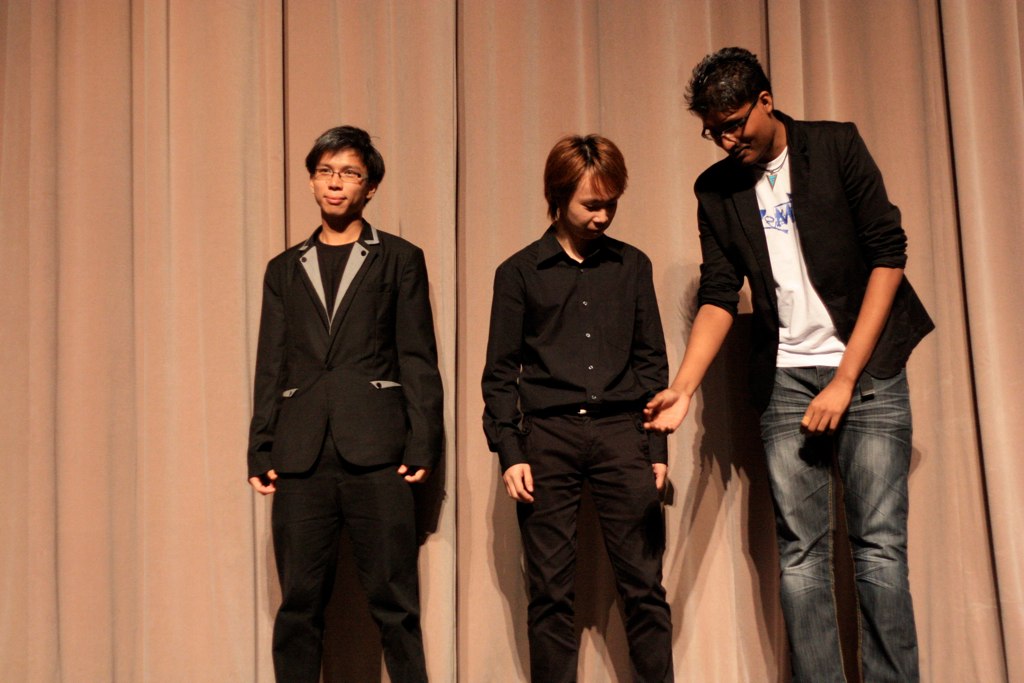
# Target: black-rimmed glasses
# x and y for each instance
(731, 129)
(345, 175)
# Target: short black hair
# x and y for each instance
(348, 137)
(724, 81)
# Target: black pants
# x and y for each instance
(611, 455)
(310, 510)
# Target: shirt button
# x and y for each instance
(584, 303)
(590, 367)
(587, 335)
(593, 397)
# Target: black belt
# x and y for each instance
(590, 409)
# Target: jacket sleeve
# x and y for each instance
(720, 282)
(877, 221)
(502, 414)
(648, 357)
(270, 362)
(417, 362)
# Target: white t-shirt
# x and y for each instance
(807, 336)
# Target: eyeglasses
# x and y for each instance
(733, 129)
(345, 175)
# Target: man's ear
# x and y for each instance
(766, 99)
(372, 190)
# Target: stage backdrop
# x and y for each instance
(151, 162)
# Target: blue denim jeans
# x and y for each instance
(872, 451)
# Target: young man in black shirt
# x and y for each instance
(347, 412)
(575, 351)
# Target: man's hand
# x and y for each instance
(264, 483)
(827, 408)
(660, 475)
(519, 483)
(665, 412)
(418, 475)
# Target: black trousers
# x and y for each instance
(610, 454)
(375, 506)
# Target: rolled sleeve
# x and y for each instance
(878, 221)
(719, 282)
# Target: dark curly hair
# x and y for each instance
(724, 81)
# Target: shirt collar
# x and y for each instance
(549, 250)
(367, 236)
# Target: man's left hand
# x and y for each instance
(660, 474)
(413, 475)
(827, 408)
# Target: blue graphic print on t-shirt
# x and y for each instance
(781, 215)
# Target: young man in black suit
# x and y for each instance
(799, 209)
(347, 412)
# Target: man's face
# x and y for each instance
(340, 185)
(749, 133)
(589, 212)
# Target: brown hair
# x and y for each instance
(571, 158)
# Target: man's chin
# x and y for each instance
(745, 156)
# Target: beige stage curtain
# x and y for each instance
(151, 162)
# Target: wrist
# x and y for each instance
(845, 381)
(683, 387)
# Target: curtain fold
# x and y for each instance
(984, 57)
(151, 162)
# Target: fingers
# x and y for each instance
(652, 407)
(816, 421)
(413, 475)
(660, 475)
(419, 476)
(659, 426)
(263, 488)
(518, 481)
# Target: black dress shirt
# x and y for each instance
(566, 335)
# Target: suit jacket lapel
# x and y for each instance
(804, 209)
(313, 282)
(745, 202)
(363, 253)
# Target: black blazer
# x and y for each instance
(846, 226)
(368, 369)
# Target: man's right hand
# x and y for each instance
(665, 412)
(519, 483)
(264, 483)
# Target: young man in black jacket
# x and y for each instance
(799, 209)
(347, 412)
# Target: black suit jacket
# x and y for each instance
(846, 226)
(368, 369)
